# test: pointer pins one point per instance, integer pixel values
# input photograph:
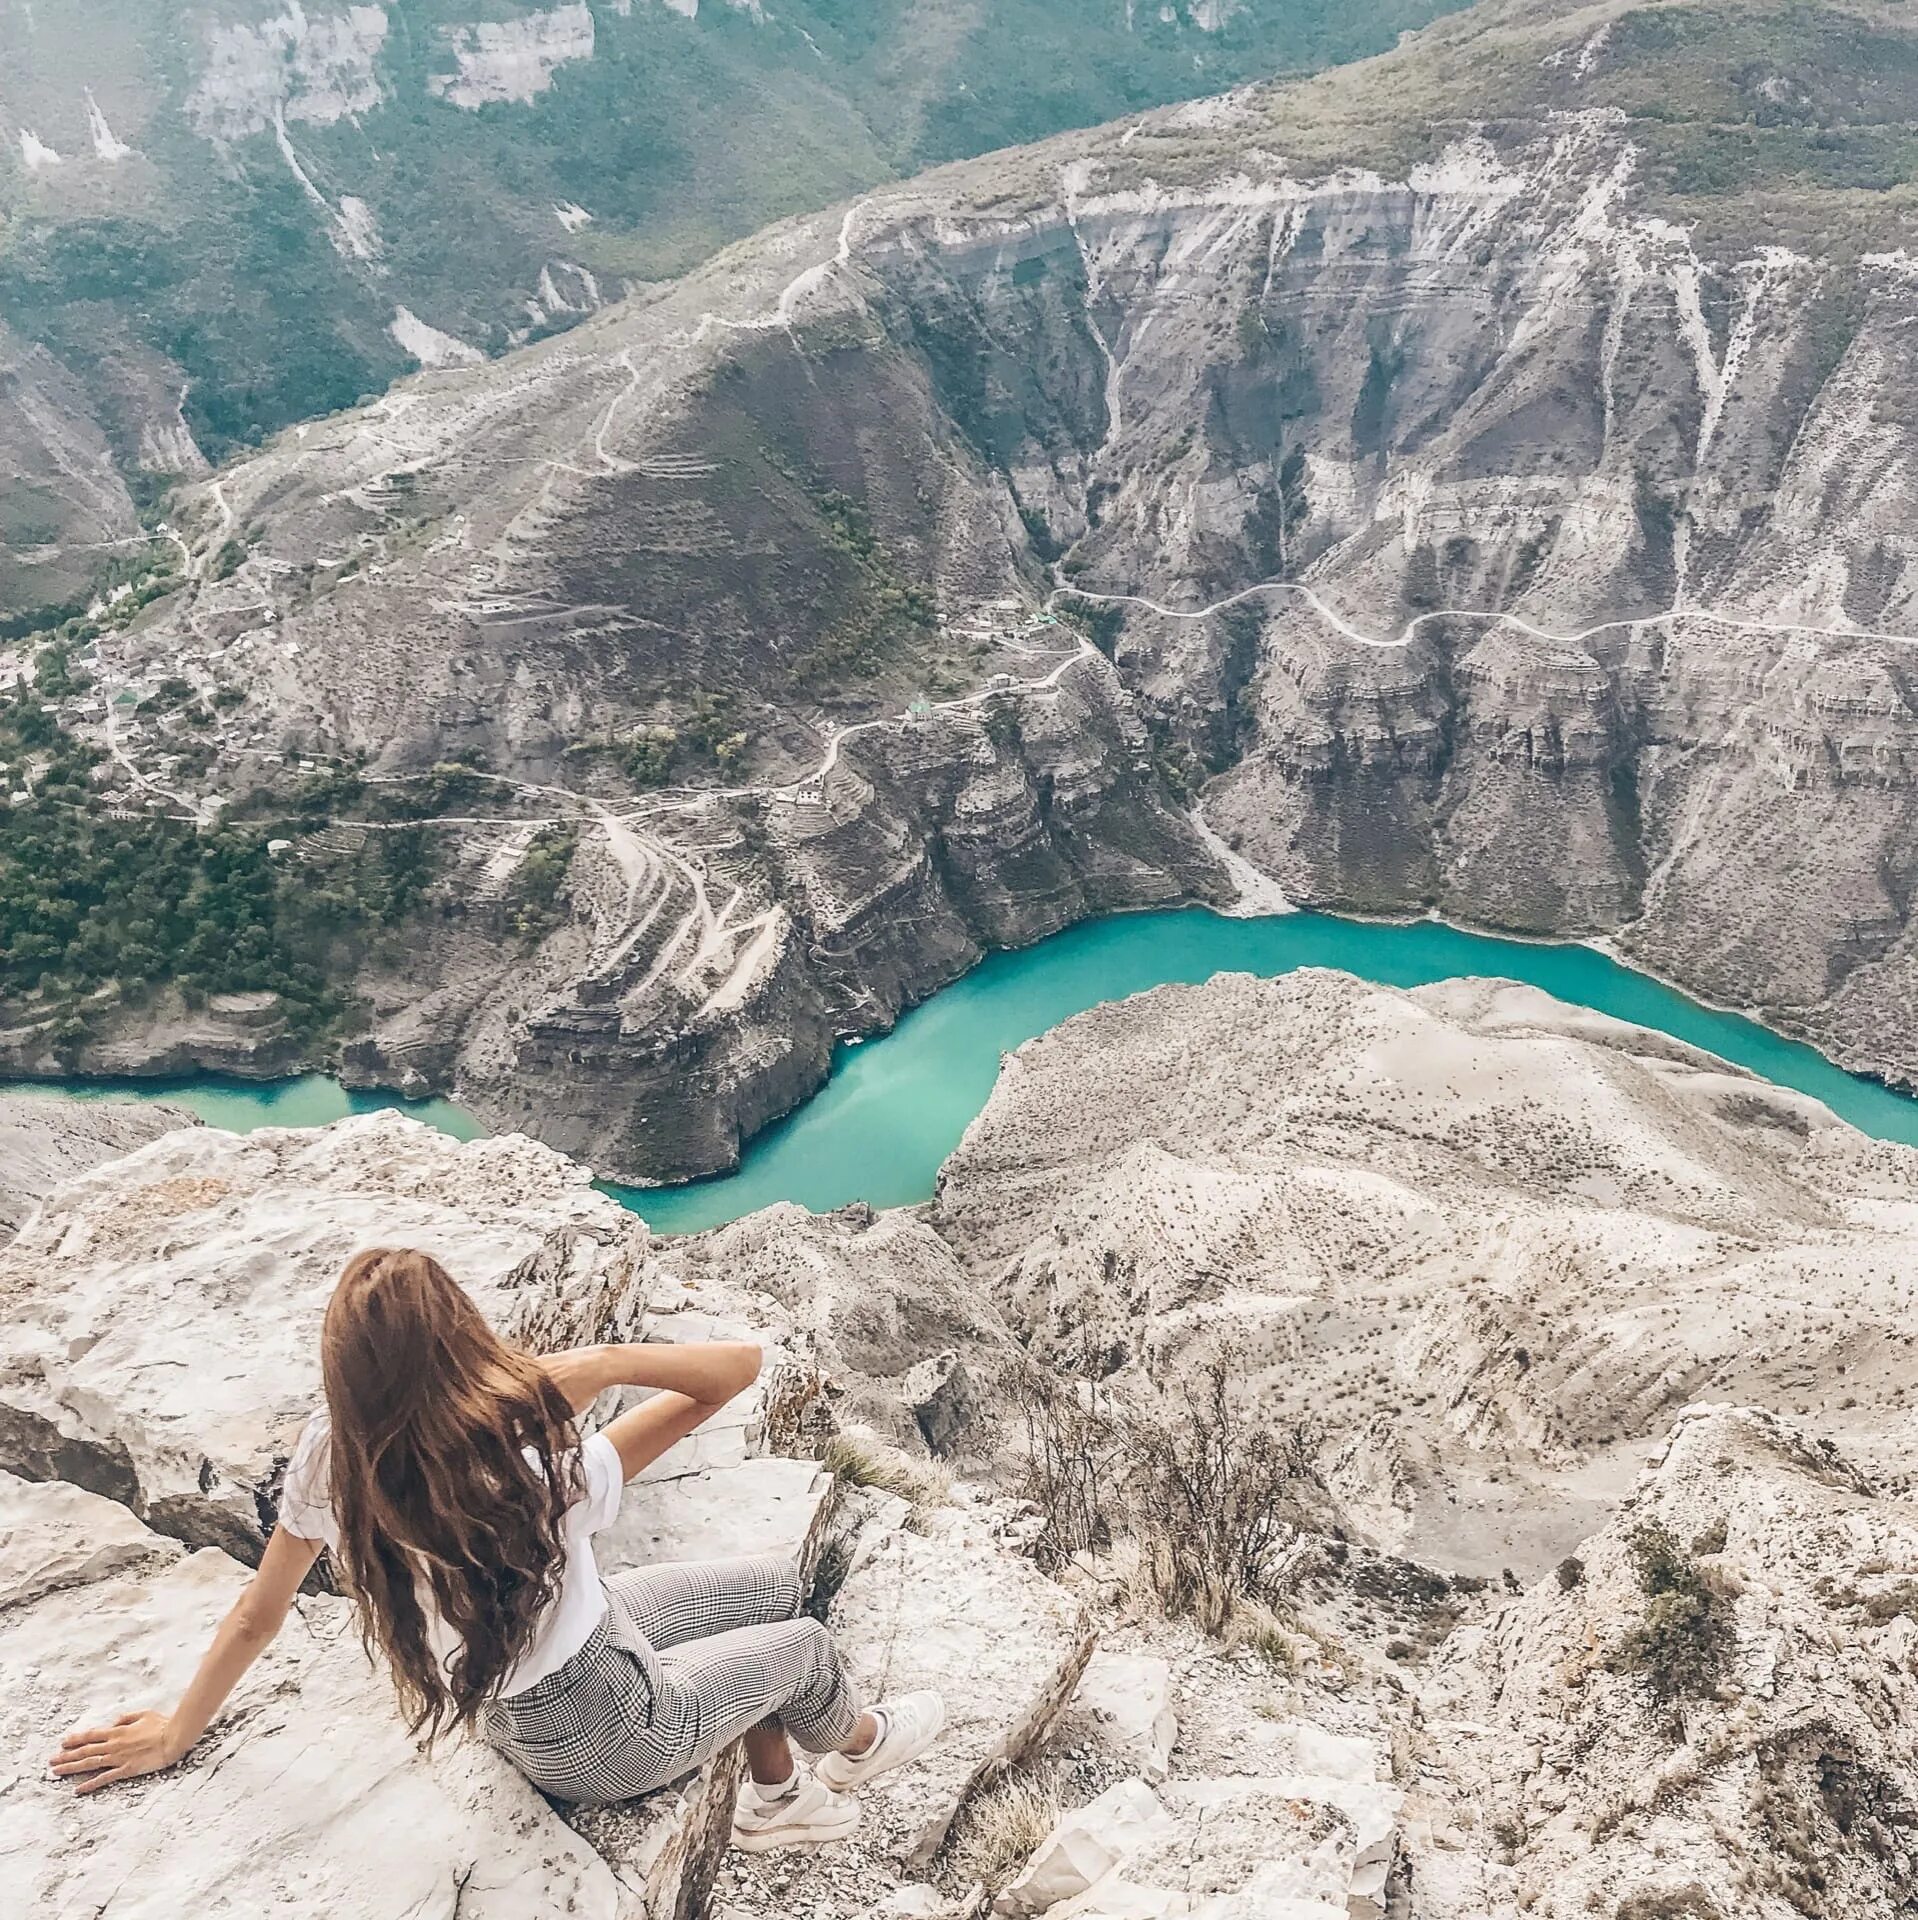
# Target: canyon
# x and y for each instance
(1342, 1452)
(1162, 513)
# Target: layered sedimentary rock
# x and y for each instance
(1426, 496)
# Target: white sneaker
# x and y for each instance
(809, 1816)
(910, 1725)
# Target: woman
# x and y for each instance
(447, 1478)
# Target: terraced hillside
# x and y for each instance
(219, 218)
(1412, 486)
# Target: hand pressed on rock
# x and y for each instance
(136, 1743)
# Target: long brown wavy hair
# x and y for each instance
(452, 1467)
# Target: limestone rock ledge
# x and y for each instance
(306, 1798)
(163, 1312)
(161, 1352)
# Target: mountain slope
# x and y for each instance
(1476, 537)
(223, 218)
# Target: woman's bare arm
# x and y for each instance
(146, 1742)
(711, 1371)
(693, 1382)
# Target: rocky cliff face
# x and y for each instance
(243, 216)
(1461, 516)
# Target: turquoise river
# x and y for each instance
(895, 1106)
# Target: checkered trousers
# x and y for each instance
(688, 1657)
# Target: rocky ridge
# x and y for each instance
(1394, 1736)
(239, 217)
(1485, 1243)
(43, 1142)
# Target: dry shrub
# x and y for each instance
(860, 1460)
(1680, 1643)
(1689, 1902)
(1216, 1494)
(1074, 1462)
(1210, 1493)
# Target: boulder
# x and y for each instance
(163, 1312)
(760, 1506)
(1278, 1849)
(938, 1394)
(1085, 1846)
(1297, 1848)
(54, 1536)
(949, 1609)
(1124, 1706)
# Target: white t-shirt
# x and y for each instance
(306, 1509)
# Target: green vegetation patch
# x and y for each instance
(884, 610)
(94, 908)
(1680, 1644)
(536, 894)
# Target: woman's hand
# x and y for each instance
(136, 1743)
(140, 1743)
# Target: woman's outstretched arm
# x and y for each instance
(693, 1382)
(146, 1742)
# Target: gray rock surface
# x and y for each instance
(44, 1141)
(939, 1395)
(54, 1536)
(866, 1298)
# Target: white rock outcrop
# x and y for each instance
(306, 1799)
(1124, 1703)
(513, 60)
(162, 1341)
(1780, 1779)
(162, 1320)
(946, 1608)
(1282, 1849)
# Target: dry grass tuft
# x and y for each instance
(1002, 1829)
(1254, 1629)
(860, 1460)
